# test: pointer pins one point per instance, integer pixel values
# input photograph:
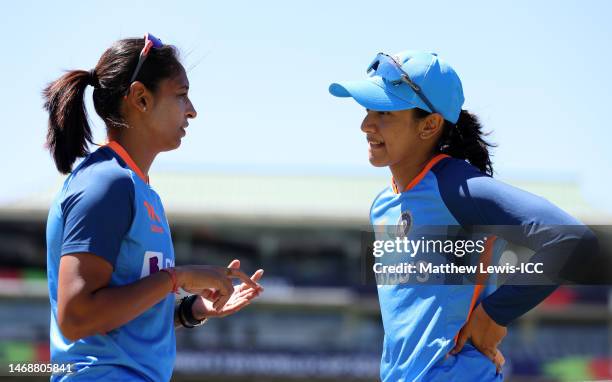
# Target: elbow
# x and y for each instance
(587, 245)
(584, 265)
(577, 241)
(71, 336)
(74, 325)
(70, 326)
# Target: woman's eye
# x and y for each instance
(383, 113)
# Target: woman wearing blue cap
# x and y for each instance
(442, 176)
(110, 258)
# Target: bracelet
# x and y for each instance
(185, 313)
(172, 273)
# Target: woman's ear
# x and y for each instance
(139, 97)
(431, 126)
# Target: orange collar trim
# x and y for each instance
(421, 174)
(119, 150)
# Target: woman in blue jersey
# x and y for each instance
(442, 176)
(110, 260)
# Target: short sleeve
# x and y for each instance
(98, 212)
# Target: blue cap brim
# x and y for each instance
(369, 95)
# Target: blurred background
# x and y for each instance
(274, 170)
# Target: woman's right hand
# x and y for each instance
(485, 334)
(197, 278)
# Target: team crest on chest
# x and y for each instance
(404, 224)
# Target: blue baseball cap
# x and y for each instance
(427, 74)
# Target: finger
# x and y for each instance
(234, 264)
(499, 361)
(247, 289)
(237, 273)
(208, 294)
(215, 294)
(232, 309)
(501, 356)
(247, 293)
(255, 278)
(257, 275)
(235, 305)
(238, 306)
(225, 293)
(252, 294)
(490, 354)
(221, 301)
(232, 306)
(461, 340)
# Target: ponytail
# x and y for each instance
(68, 132)
(465, 140)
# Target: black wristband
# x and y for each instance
(180, 314)
(186, 312)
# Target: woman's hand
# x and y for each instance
(242, 296)
(197, 279)
(485, 334)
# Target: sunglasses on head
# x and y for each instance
(150, 42)
(391, 70)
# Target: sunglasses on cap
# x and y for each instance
(391, 70)
(150, 42)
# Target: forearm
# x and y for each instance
(111, 307)
(512, 301)
(562, 261)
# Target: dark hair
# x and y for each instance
(68, 132)
(464, 140)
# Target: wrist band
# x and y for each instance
(172, 273)
(186, 312)
(179, 314)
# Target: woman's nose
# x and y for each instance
(191, 111)
(368, 125)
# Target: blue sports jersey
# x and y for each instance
(106, 207)
(421, 322)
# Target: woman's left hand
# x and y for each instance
(242, 296)
(485, 334)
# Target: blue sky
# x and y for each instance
(536, 72)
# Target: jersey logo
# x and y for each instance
(154, 217)
(151, 212)
(404, 224)
(153, 262)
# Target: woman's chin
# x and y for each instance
(378, 162)
(177, 144)
(172, 145)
